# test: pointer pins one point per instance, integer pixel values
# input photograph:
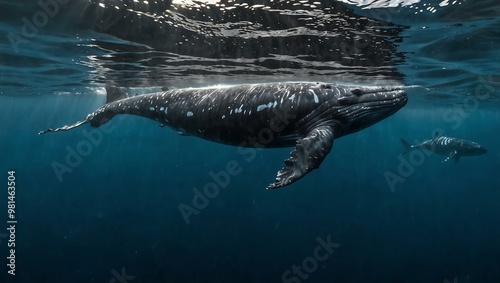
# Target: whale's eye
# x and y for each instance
(357, 92)
(343, 100)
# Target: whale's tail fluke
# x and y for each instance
(407, 146)
(98, 117)
(65, 128)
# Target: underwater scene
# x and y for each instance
(290, 141)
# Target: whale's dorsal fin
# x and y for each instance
(114, 94)
(307, 156)
(436, 136)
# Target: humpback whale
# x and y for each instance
(306, 115)
(453, 148)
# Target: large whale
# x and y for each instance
(302, 114)
(453, 148)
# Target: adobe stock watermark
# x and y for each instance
(221, 179)
(31, 26)
(322, 252)
(122, 277)
(74, 155)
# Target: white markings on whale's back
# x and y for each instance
(264, 106)
(205, 101)
(316, 99)
(239, 110)
(445, 140)
(268, 105)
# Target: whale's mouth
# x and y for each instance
(364, 106)
(385, 99)
(482, 150)
(373, 98)
(380, 94)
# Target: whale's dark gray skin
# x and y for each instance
(453, 148)
(302, 114)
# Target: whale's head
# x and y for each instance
(481, 150)
(359, 107)
(472, 148)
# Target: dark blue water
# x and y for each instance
(109, 205)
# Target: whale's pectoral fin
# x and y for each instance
(307, 156)
(454, 155)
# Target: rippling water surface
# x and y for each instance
(442, 46)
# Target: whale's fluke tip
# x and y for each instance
(64, 128)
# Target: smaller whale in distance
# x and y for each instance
(453, 148)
